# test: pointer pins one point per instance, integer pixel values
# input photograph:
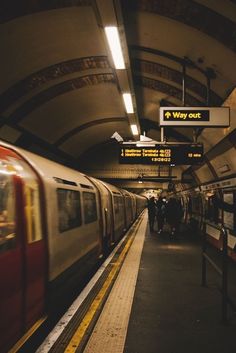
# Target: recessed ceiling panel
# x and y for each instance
(95, 135)
(40, 40)
(69, 111)
(158, 32)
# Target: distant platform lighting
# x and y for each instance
(115, 46)
(128, 103)
(134, 129)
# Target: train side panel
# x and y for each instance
(73, 215)
(128, 208)
(57, 224)
(141, 203)
(107, 217)
(118, 210)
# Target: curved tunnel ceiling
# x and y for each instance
(59, 92)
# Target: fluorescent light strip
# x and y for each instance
(134, 129)
(145, 144)
(115, 47)
(128, 103)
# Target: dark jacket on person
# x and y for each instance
(151, 207)
(174, 212)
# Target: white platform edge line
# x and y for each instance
(65, 319)
(110, 331)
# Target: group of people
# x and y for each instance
(162, 211)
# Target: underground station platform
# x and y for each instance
(147, 298)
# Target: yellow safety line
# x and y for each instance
(79, 334)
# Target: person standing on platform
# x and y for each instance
(161, 206)
(174, 214)
(151, 212)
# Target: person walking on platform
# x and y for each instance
(151, 212)
(174, 213)
(161, 207)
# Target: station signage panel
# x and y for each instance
(177, 154)
(194, 116)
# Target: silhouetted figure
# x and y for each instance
(161, 210)
(151, 212)
(174, 213)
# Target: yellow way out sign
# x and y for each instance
(194, 116)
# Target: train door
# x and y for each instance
(34, 248)
(22, 267)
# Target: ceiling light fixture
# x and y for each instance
(134, 129)
(145, 144)
(115, 46)
(128, 103)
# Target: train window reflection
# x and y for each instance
(90, 208)
(7, 212)
(69, 209)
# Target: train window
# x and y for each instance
(86, 186)
(7, 211)
(118, 203)
(128, 202)
(69, 209)
(90, 207)
(64, 181)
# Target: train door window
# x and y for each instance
(69, 209)
(32, 207)
(128, 202)
(7, 210)
(90, 207)
(32, 210)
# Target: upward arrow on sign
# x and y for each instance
(167, 114)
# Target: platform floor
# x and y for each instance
(157, 303)
(171, 312)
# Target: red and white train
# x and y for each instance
(55, 223)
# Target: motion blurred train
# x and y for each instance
(210, 206)
(55, 223)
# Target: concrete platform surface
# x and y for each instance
(171, 312)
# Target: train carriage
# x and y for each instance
(55, 224)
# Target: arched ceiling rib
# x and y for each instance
(167, 73)
(48, 75)
(57, 90)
